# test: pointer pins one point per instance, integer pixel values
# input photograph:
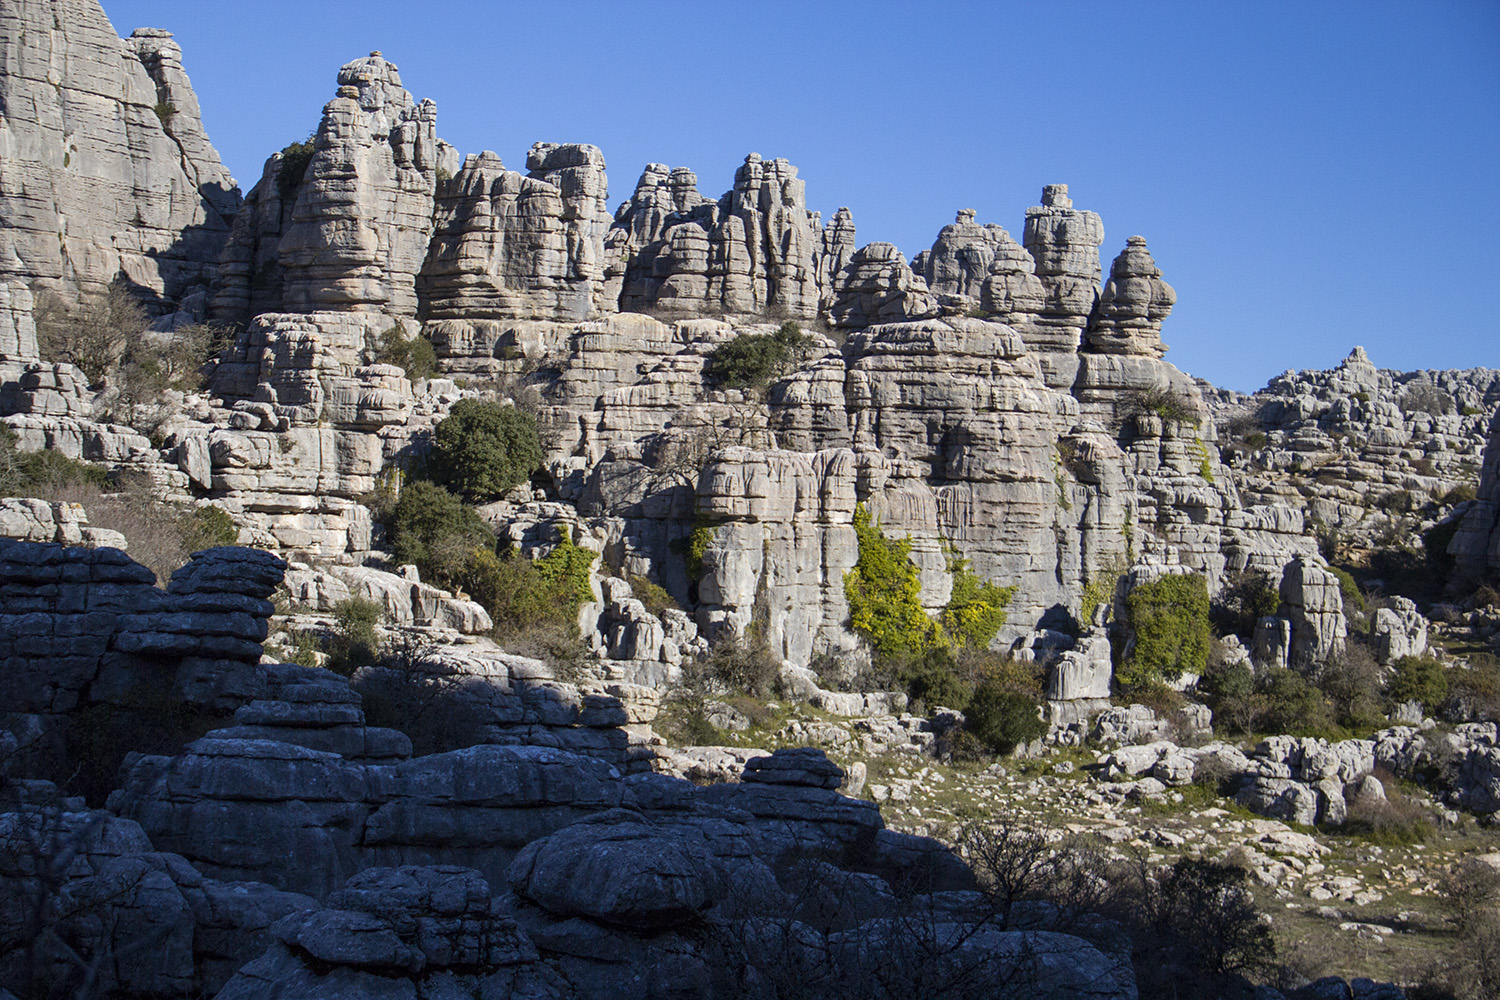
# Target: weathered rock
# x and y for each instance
(107, 174)
(1398, 631)
(1131, 309)
(361, 216)
(1314, 604)
(1064, 243)
(878, 286)
(507, 246)
(83, 625)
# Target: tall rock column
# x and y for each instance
(1476, 544)
(105, 173)
(756, 251)
(1064, 242)
(363, 217)
(508, 246)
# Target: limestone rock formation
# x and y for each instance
(878, 286)
(508, 246)
(755, 251)
(361, 214)
(107, 175)
(958, 265)
(80, 625)
(1064, 242)
(1132, 306)
(1476, 545)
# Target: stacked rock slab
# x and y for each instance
(1476, 545)
(1064, 242)
(878, 286)
(107, 174)
(360, 220)
(86, 625)
(958, 265)
(507, 246)
(754, 251)
(310, 427)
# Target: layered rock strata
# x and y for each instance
(82, 625)
(1064, 243)
(344, 226)
(510, 246)
(107, 175)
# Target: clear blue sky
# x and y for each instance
(1309, 175)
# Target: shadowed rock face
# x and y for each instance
(107, 171)
(1476, 545)
(83, 625)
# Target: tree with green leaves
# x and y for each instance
(484, 448)
(1169, 617)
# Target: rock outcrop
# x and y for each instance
(106, 173)
(755, 251)
(81, 626)
(508, 246)
(1064, 243)
(360, 218)
(1476, 545)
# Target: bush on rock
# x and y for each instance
(484, 448)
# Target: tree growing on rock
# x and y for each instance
(484, 448)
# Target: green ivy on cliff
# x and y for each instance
(1172, 635)
(883, 592)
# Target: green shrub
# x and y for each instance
(1169, 617)
(1243, 600)
(652, 595)
(355, 642)
(1418, 678)
(976, 610)
(1351, 685)
(295, 158)
(882, 590)
(932, 679)
(1166, 403)
(1002, 717)
(1353, 598)
(43, 473)
(432, 529)
(1229, 690)
(415, 356)
(165, 112)
(755, 360)
(520, 593)
(208, 527)
(484, 448)
(1287, 703)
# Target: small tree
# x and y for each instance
(483, 449)
(1418, 678)
(755, 360)
(1002, 717)
(93, 335)
(432, 529)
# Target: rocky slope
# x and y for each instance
(1005, 406)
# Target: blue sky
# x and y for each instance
(1308, 175)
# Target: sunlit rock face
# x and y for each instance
(105, 172)
(347, 226)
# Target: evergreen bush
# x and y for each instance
(432, 529)
(484, 448)
(1172, 636)
(755, 360)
